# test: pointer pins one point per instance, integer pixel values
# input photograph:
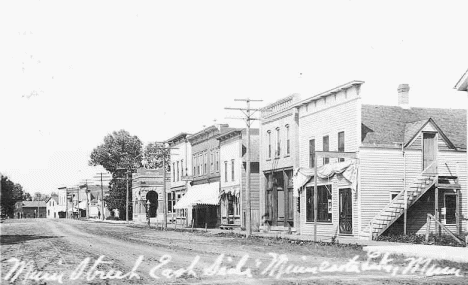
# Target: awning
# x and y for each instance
(204, 194)
(233, 190)
(347, 168)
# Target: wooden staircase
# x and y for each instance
(395, 208)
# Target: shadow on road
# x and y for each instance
(14, 239)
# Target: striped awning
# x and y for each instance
(204, 194)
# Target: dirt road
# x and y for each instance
(82, 252)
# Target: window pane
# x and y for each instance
(326, 148)
(312, 153)
(341, 146)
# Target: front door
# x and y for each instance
(429, 153)
(346, 212)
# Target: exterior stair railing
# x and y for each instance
(388, 215)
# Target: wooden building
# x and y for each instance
(202, 196)
(401, 157)
(233, 149)
(278, 157)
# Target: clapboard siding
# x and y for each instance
(254, 197)
(382, 173)
(343, 117)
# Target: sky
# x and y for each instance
(73, 72)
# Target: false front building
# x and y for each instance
(233, 149)
(202, 196)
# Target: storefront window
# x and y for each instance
(324, 198)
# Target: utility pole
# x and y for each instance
(248, 112)
(126, 200)
(102, 199)
(164, 148)
(87, 200)
(66, 202)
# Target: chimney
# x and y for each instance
(403, 96)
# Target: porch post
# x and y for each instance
(458, 212)
(436, 209)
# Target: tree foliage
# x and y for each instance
(11, 193)
(154, 154)
(120, 152)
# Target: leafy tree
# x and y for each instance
(27, 196)
(153, 156)
(10, 194)
(120, 152)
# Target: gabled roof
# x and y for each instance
(387, 125)
(462, 84)
(412, 129)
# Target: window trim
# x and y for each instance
(288, 140)
(278, 143)
(232, 169)
(269, 143)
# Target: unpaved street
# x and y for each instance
(83, 252)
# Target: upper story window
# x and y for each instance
(312, 153)
(269, 143)
(194, 162)
(182, 168)
(205, 163)
(288, 147)
(217, 161)
(178, 172)
(225, 172)
(326, 147)
(278, 142)
(232, 169)
(173, 172)
(341, 144)
(211, 162)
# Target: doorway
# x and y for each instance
(429, 153)
(346, 211)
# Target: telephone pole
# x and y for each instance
(164, 148)
(102, 198)
(248, 112)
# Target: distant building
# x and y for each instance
(181, 175)
(202, 197)
(147, 188)
(53, 207)
(30, 209)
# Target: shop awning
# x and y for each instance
(204, 194)
(233, 190)
(347, 168)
